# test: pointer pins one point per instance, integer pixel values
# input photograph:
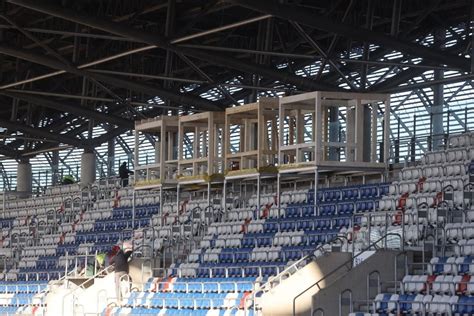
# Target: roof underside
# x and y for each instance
(71, 65)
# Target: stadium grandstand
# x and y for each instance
(237, 157)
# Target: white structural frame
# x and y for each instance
(317, 104)
(163, 171)
(209, 156)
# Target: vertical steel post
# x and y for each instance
(134, 196)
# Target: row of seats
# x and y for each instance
(119, 311)
(419, 303)
(447, 284)
(200, 285)
(443, 170)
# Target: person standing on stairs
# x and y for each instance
(120, 262)
(124, 172)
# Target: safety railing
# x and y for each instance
(349, 264)
(127, 279)
(102, 272)
(81, 263)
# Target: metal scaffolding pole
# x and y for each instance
(437, 130)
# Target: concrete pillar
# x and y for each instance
(87, 168)
(24, 178)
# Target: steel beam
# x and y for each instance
(396, 14)
(84, 97)
(313, 57)
(69, 33)
(71, 108)
(320, 22)
(137, 50)
(158, 41)
(436, 109)
(139, 87)
(17, 126)
(9, 152)
(471, 26)
(321, 52)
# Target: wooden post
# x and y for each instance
(261, 131)
(317, 127)
(211, 136)
(386, 135)
(359, 127)
(373, 141)
(226, 145)
(180, 146)
(281, 115)
(162, 150)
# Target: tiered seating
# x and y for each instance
(183, 296)
(22, 297)
(181, 223)
(438, 183)
(254, 242)
(65, 222)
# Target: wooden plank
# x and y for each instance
(250, 107)
(300, 98)
(318, 128)
(373, 141)
(386, 131)
(211, 148)
(363, 97)
(244, 153)
(299, 146)
(195, 117)
(152, 166)
(359, 131)
(192, 160)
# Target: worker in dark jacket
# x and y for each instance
(120, 262)
(123, 173)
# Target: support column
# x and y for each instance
(24, 181)
(438, 99)
(472, 36)
(111, 157)
(333, 132)
(87, 168)
(55, 176)
(359, 131)
(367, 135)
(350, 134)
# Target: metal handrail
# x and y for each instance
(106, 270)
(123, 277)
(351, 260)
